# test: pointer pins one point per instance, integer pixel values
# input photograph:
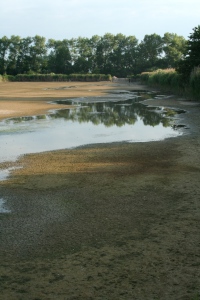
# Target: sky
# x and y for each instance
(66, 19)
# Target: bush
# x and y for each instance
(167, 78)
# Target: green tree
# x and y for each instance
(103, 53)
(130, 55)
(84, 56)
(4, 48)
(23, 64)
(174, 48)
(149, 52)
(37, 52)
(117, 55)
(59, 60)
(14, 51)
(192, 54)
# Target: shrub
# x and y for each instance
(58, 77)
(169, 79)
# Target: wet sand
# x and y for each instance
(31, 98)
(109, 221)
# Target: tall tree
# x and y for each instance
(192, 54)
(84, 57)
(23, 64)
(59, 60)
(14, 51)
(150, 50)
(117, 56)
(130, 55)
(4, 48)
(37, 52)
(174, 48)
(103, 53)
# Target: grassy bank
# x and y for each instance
(56, 77)
(170, 80)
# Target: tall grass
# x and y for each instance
(170, 80)
(167, 78)
(57, 77)
(195, 83)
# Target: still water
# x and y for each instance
(112, 118)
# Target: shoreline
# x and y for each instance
(27, 99)
(116, 221)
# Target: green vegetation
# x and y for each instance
(118, 55)
(185, 79)
(169, 62)
(191, 57)
(57, 77)
(167, 79)
(171, 80)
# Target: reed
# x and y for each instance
(170, 80)
(195, 83)
(167, 79)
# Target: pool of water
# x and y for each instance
(3, 209)
(111, 118)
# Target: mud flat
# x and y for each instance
(107, 221)
(30, 98)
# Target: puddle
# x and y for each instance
(116, 117)
(3, 208)
(6, 172)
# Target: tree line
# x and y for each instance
(118, 55)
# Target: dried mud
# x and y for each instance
(109, 221)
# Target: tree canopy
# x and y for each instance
(117, 55)
(191, 57)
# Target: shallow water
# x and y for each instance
(3, 208)
(111, 118)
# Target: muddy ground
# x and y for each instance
(109, 221)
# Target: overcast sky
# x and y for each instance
(65, 19)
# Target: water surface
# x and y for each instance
(115, 117)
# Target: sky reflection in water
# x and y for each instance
(95, 120)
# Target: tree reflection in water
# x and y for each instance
(114, 112)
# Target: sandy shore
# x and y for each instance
(111, 221)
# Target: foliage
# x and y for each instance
(57, 77)
(118, 55)
(59, 59)
(150, 50)
(170, 79)
(167, 79)
(191, 58)
(173, 47)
